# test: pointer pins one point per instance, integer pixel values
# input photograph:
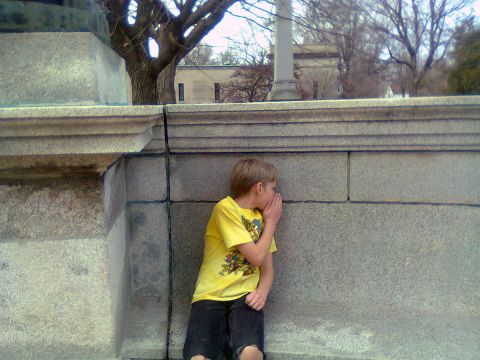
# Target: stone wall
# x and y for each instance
(64, 266)
(379, 239)
(378, 245)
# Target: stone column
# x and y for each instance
(284, 87)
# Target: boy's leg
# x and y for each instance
(207, 330)
(251, 352)
(246, 327)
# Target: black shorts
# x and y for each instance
(222, 329)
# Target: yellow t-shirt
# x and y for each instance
(225, 274)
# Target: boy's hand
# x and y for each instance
(273, 210)
(255, 300)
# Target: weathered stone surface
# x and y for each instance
(149, 251)
(70, 68)
(114, 192)
(189, 222)
(64, 207)
(56, 300)
(147, 321)
(353, 279)
(33, 16)
(146, 178)
(119, 273)
(76, 130)
(448, 123)
(339, 332)
(320, 176)
(115, 202)
(157, 144)
(437, 177)
(146, 332)
(54, 166)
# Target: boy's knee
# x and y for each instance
(251, 352)
(199, 357)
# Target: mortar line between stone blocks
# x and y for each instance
(153, 154)
(348, 175)
(146, 202)
(271, 152)
(339, 203)
(170, 247)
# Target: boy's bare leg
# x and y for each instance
(200, 357)
(251, 353)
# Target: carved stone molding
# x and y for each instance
(54, 140)
(416, 124)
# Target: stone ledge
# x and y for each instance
(444, 123)
(47, 139)
(334, 331)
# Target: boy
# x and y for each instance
(237, 269)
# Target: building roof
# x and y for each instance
(209, 67)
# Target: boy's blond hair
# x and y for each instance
(248, 172)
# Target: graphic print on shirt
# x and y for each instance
(235, 261)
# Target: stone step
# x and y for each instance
(146, 331)
(324, 331)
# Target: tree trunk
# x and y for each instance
(144, 86)
(166, 84)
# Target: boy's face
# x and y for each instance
(266, 194)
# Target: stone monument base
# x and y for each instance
(284, 90)
(60, 69)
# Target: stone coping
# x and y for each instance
(327, 104)
(435, 123)
(45, 139)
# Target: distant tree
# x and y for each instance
(252, 80)
(248, 83)
(228, 57)
(416, 32)
(464, 78)
(326, 85)
(201, 55)
(344, 24)
(435, 81)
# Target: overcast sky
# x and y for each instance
(232, 27)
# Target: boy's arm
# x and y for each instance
(256, 299)
(256, 253)
(266, 277)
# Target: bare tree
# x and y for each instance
(176, 29)
(252, 80)
(416, 32)
(248, 84)
(344, 24)
(202, 54)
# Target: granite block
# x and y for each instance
(119, 275)
(114, 192)
(146, 178)
(302, 177)
(149, 252)
(434, 177)
(60, 207)
(70, 68)
(56, 301)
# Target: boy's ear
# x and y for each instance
(259, 186)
